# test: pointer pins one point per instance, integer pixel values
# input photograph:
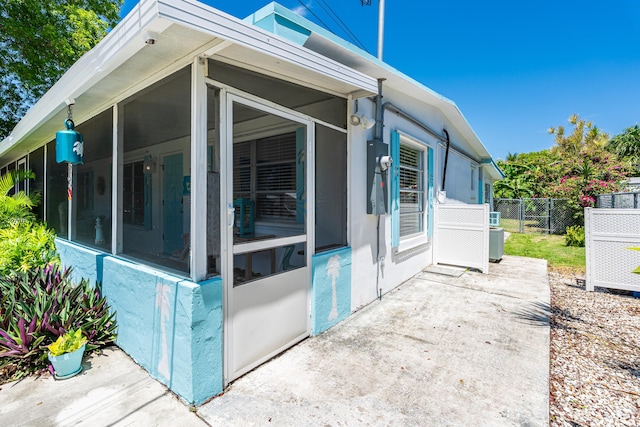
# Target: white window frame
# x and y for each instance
(421, 237)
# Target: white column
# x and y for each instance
(198, 261)
(116, 182)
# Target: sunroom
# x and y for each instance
(214, 177)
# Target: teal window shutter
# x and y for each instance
(395, 189)
(430, 194)
(480, 185)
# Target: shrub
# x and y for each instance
(36, 307)
(25, 243)
(575, 236)
(26, 246)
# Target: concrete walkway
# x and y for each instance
(446, 348)
(441, 350)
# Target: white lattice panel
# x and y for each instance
(462, 236)
(609, 234)
(616, 222)
(462, 215)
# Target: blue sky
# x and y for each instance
(513, 68)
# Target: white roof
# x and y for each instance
(184, 29)
(123, 63)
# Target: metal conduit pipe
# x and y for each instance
(389, 106)
(379, 112)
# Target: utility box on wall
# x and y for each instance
(377, 194)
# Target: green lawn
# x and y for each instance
(549, 247)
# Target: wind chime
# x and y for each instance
(69, 149)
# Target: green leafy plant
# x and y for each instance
(37, 307)
(25, 243)
(67, 343)
(26, 246)
(575, 236)
(637, 269)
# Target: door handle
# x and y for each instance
(230, 215)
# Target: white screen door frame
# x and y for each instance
(265, 316)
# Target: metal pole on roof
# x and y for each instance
(380, 28)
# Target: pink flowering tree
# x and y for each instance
(592, 172)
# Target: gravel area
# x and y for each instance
(595, 355)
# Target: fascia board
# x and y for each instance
(492, 168)
(208, 20)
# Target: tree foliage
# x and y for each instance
(39, 41)
(577, 168)
(627, 146)
(584, 135)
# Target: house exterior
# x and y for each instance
(235, 195)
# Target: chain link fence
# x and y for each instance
(550, 216)
(619, 200)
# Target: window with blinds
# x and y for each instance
(133, 193)
(264, 170)
(411, 191)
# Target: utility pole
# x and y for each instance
(380, 28)
(380, 24)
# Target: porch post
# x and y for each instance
(116, 182)
(199, 224)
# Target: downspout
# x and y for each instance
(446, 159)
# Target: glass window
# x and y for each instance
(268, 176)
(56, 203)
(133, 193)
(36, 186)
(92, 201)
(156, 218)
(213, 182)
(411, 190)
(269, 192)
(331, 189)
(326, 107)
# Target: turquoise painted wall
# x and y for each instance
(331, 294)
(171, 326)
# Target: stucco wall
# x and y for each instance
(396, 267)
(170, 326)
(331, 295)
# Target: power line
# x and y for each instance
(347, 31)
(315, 16)
(333, 15)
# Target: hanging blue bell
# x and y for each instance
(69, 145)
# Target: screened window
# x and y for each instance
(411, 190)
(133, 193)
(36, 186)
(264, 170)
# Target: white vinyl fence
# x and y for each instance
(609, 235)
(462, 236)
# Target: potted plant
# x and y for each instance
(65, 354)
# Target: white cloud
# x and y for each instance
(303, 10)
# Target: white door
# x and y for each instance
(267, 277)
